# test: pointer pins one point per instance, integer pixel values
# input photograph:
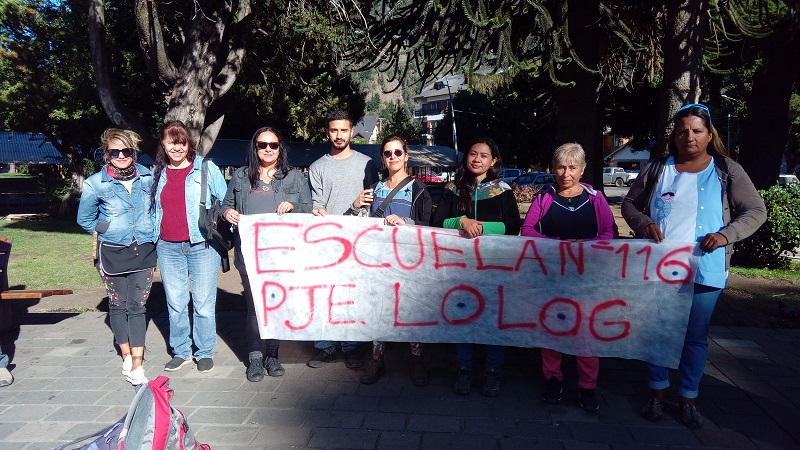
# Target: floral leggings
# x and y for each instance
(127, 296)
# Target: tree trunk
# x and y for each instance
(76, 174)
(579, 110)
(765, 133)
(683, 63)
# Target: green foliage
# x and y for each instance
(778, 238)
(402, 124)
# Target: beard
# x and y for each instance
(341, 146)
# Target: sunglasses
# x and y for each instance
(263, 145)
(388, 153)
(694, 105)
(114, 153)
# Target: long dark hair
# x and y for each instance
(171, 131)
(254, 164)
(715, 148)
(465, 180)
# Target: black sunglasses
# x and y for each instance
(125, 152)
(388, 153)
(261, 145)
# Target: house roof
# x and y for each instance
(233, 152)
(628, 154)
(366, 127)
(27, 148)
(439, 87)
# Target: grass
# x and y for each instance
(49, 254)
(792, 273)
(16, 175)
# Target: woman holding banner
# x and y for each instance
(399, 199)
(476, 203)
(570, 210)
(267, 184)
(696, 194)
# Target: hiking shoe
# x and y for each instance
(127, 365)
(587, 400)
(491, 384)
(136, 376)
(464, 383)
(274, 367)
(6, 379)
(176, 363)
(204, 365)
(419, 374)
(320, 359)
(691, 417)
(552, 391)
(354, 359)
(375, 370)
(653, 409)
(255, 370)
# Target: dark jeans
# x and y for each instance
(254, 341)
(127, 296)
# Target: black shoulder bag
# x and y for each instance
(213, 226)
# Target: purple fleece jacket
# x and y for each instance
(606, 227)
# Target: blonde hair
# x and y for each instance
(569, 152)
(128, 138)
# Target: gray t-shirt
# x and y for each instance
(335, 183)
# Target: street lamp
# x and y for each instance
(453, 113)
(728, 126)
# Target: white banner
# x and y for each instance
(355, 279)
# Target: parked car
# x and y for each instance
(538, 180)
(509, 174)
(429, 177)
(618, 176)
(787, 179)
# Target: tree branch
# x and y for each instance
(151, 40)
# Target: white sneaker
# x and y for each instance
(127, 364)
(136, 376)
(5, 377)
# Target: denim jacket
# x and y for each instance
(117, 216)
(216, 187)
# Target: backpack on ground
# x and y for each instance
(151, 423)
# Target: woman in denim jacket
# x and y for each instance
(268, 184)
(115, 204)
(184, 255)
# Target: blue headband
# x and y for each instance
(694, 105)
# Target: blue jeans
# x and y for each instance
(181, 262)
(495, 356)
(695, 345)
(3, 359)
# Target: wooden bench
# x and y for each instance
(16, 294)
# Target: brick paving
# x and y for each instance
(68, 384)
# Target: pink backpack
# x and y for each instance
(151, 424)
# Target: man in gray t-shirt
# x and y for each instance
(336, 180)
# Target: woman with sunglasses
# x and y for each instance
(184, 255)
(268, 184)
(115, 204)
(410, 204)
(696, 194)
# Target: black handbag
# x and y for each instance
(217, 231)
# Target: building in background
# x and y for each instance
(434, 100)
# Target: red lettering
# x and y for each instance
(471, 318)
(561, 316)
(397, 322)
(481, 266)
(647, 251)
(602, 307)
(331, 304)
(397, 250)
(500, 315)
(265, 295)
(666, 262)
(346, 246)
(624, 250)
(311, 290)
(438, 264)
(522, 256)
(259, 226)
(564, 248)
(355, 250)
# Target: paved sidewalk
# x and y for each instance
(68, 384)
